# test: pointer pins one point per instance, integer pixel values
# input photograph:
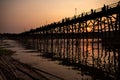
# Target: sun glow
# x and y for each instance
(89, 29)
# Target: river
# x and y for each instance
(32, 57)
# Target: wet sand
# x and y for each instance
(46, 67)
(11, 69)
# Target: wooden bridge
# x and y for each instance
(90, 40)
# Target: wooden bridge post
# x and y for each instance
(64, 53)
(86, 42)
(98, 43)
(79, 43)
(67, 52)
(51, 41)
(72, 44)
(76, 44)
(37, 41)
(83, 49)
(60, 44)
(93, 60)
(40, 40)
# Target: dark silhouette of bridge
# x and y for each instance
(103, 23)
(90, 40)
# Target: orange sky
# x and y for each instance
(19, 15)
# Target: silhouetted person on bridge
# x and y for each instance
(91, 11)
(104, 8)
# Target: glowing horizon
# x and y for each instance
(20, 15)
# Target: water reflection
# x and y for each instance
(88, 55)
(31, 57)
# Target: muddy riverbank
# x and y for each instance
(50, 69)
(11, 69)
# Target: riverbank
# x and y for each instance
(11, 69)
(52, 70)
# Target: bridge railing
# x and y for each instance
(114, 5)
(96, 10)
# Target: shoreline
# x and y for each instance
(12, 69)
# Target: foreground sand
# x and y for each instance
(11, 69)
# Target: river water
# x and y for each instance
(88, 52)
(31, 57)
(85, 52)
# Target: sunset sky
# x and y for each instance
(19, 15)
